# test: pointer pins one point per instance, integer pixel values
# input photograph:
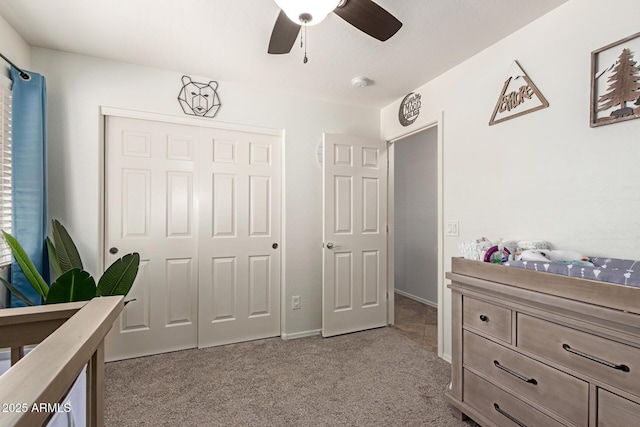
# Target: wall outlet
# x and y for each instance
(295, 302)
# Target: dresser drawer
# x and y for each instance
(616, 411)
(501, 407)
(608, 361)
(487, 318)
(543, 385)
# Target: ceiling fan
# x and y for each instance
(365, 15)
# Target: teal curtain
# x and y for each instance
(29, 177)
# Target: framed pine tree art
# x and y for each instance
(615, 82)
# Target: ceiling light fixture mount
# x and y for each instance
(305, 18)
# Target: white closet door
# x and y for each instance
(202, 207)
(239, 244)
(150, 209)
(354, 261)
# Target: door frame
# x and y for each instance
(436, 120)
(106, 111)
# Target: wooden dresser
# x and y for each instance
(539, 349)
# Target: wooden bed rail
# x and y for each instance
(68, 336)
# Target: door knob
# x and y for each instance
(113, 251)
(274, 246)
(329, 245)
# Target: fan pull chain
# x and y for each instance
(305, 60)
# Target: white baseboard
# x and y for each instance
(302, 334)
(415, 298)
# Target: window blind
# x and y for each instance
(5, 169)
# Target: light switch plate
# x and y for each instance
(453, 228)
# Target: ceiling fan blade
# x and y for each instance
(369, 18)
(284, 35)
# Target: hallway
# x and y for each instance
(417, 321)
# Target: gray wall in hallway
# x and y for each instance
(416, 215)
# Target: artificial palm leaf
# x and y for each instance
(119, 277)
(53, 257)
(66, 251)
(15, 292)
(30, 271)
(74, 285)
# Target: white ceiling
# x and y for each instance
(226, 40)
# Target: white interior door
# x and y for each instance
(354, 280)
(202, 207)
(239, 245)
(150, 209)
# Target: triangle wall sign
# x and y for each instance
(519, 96)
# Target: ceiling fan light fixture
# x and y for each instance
(309, 12)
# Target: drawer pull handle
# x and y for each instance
(515, 374)
(510, 417)
(484, 318)
(623, 368)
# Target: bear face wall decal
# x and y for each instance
(199, 99)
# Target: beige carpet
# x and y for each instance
(371, 378)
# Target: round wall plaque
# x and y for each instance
(409, 109)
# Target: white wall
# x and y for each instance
(13, 47)
(416, 216)
(545, 175)
(77, 87)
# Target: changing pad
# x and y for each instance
(620, 271)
